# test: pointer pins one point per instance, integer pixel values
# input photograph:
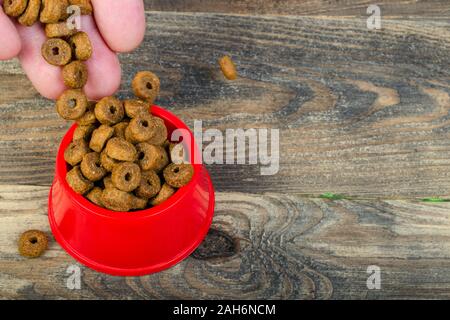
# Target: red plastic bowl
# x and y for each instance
(132, 243)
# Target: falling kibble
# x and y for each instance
(228, 68)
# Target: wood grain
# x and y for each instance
(361, 113)
(283, 247)
(305, 7)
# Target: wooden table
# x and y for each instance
(362, 113)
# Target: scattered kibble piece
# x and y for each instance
(228, 68)
(32, 243)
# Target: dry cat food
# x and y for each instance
(32, 243)
(119, 157)
(228, 68)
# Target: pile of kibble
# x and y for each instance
(119, 157)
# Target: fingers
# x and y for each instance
(10, 44)
(103, 67)
(121, 23)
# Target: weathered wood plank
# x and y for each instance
(360, 112)
(269, 246)
(304, 7)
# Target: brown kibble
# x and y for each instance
(53, 11)
(56, 51)
(117, 200)
(135, 107)
(165, 193)
(91, 167)
(81, 46)
(141, 129)
(126, 176)
(14, 8)
(160, 135)
(75, 152)
(31, 14)
(146, 85)
(75, 74)
(85, 6)
(72, 104)
(149, 186)
(139, 203)
(107, 162)
(95, 196)
(89, 116)
(33, 243)
(119, 129)
(109, 110)
(120, 149)
(83, 132)
(59, 30)
(100, 136)
(107, 182)
(77, 181)
(152, 157)
(228, 68)
(178, 175)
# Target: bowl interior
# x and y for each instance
(172, 123)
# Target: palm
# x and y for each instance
(116, 26)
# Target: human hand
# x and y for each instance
(115, 26)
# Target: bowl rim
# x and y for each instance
(89, 207)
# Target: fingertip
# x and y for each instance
(9, 38)
(121, 23)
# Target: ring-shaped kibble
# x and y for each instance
(59, 30)
(72, 104)
(31, 13)
(81, 46)
(53, 11)
(126, 176)
(14, 8)
(77, 181)
(32, 243)
(107, 162)
(160, 135)
(151, 157)
(91, 167)
(178, 175)
(75, 74)
(83, 132)
(120, 149)
(165, 193)
(95, 196)
(109, 110)
(146, 85)
(119, 129)
(135, 107)
(99, 137)
(56, 51)
(149, 186)
(141, 128)
(117, 200)
(75, 152)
